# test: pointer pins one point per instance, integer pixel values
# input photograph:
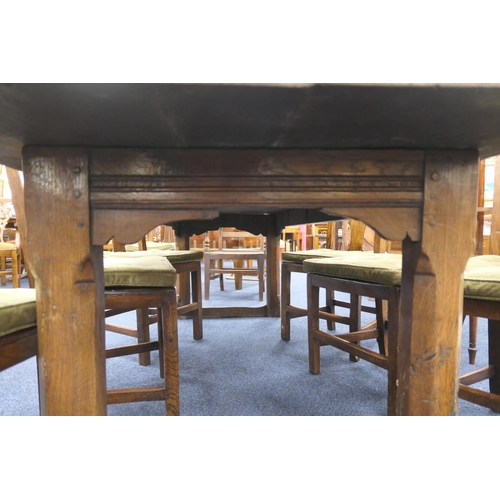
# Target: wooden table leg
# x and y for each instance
(273, 273)
(69, 282)
(432, 288)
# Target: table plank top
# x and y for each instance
(359, 116)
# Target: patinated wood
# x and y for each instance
(341, 182)
(69, 282)
(449, 180)
(432, 286)
(266, 127)
(281, 116)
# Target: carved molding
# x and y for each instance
(381, 187)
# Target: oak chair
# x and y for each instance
(238, 247)
(292, 262)
(9, 249)
(482, 300)
(187, 264)
(17, 188)
(483, 215)
(379, 275)
(129, 284)
(9, 263)
(142, 284)
(359, 274)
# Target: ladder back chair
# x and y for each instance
(237, 247)
(292, 262)
(9, 248)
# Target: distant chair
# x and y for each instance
(240, 248)
(292, 262)
(9, 263)
(17, 189)
(10, 253)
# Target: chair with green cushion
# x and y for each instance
(185, 263)
(292, 263)
(137, 284)
(482, 299)
(129, 284)
(18, 334)
(359, 274)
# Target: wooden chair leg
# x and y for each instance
(472, 339)
(196, 297)
(161, 343)
(381, 307)
(260, 263)
(286, 298)
(391, 343)
(3, 267)
(313, 324)
(207, 276)
(238, 278)
(354, 319)
(330, 307)
(143, 334)
(221, 276)
(494, 354)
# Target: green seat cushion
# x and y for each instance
(380, 268)
(174, 256)
(321, 253)
(482, 278)
(17, 309)
(151, 245)
(154, 271)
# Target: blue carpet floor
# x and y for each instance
(242, 367)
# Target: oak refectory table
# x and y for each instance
(115, 160)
